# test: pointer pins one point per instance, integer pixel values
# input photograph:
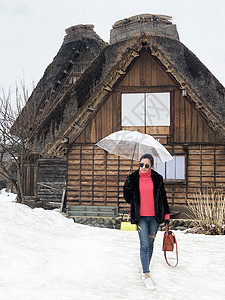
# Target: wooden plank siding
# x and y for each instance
(188, 126)
(51, 179)
(30, 180)
(146, 72)
(95, 177)
(106, 121)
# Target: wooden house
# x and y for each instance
(145, 79)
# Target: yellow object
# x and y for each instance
(127, 226)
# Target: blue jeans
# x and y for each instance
(147, 229)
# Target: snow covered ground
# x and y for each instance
(45, 256)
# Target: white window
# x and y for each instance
(133, 110)
(146, 109)
(173, 169)
(158, 109)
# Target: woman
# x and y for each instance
(144, 190)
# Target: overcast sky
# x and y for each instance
(32, 31)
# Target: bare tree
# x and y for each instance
(13, 136)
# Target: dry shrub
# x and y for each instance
(208, 212)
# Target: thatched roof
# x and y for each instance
(144, 24)
(105, 72)
(78, 38)
(80, 46)
(207, 92)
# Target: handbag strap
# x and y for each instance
(175, 240)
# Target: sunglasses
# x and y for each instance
(146, 165)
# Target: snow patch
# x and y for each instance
(49, 257)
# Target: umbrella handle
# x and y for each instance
(131, 165)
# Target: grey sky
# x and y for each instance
(32, 31)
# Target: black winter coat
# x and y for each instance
(131, 194)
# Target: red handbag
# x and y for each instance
(169, 240)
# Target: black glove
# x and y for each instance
(167, 221)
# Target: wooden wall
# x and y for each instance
(187, 124)
(106, 121)
(146, 75)
(51, 179)
(205, 168)
(146, 72)
(95, 177)
(30, 180)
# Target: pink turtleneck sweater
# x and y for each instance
(147, 205)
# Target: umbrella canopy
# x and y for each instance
(133, 144)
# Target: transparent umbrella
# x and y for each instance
(133, 144)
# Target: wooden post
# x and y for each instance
(200, 167)
(118, 183)
(105, 202)
(92, 177)
(80, 175)
(214, 163)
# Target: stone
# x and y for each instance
(176, 223)
(114, 221)
(78, 219)
(101, 221)
(107, 221)
(94, 221)
(187, 223)
(97, 225)
(181, 223)
(172, 227)
(182, 228)
(89, 220)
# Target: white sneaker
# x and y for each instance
(149, 283)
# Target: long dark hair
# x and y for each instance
(148, 156)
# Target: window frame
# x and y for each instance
(144, 94)
(177, 181)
